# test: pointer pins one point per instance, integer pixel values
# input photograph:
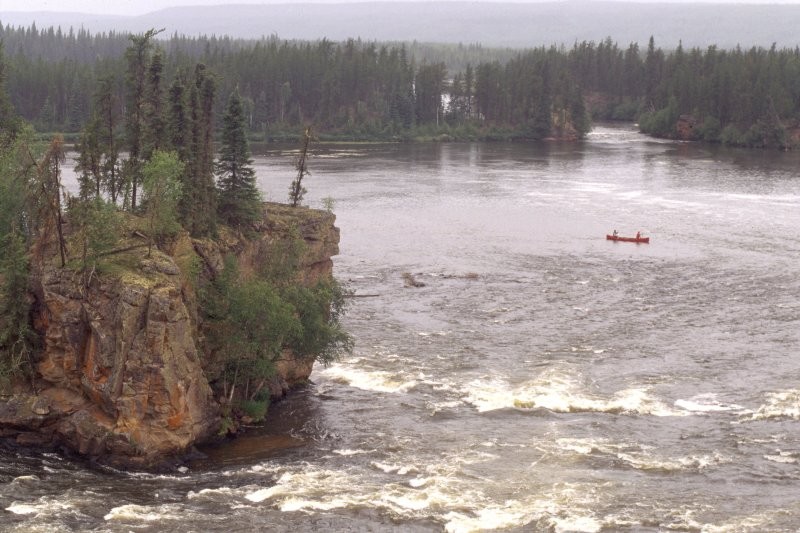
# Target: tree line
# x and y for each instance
(352, 89)
(368, 90)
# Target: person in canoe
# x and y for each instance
(615, 233)
(638, 233)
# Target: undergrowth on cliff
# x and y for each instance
(253, 321)
(17, 338)
(97, 228)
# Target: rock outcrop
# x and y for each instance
(120, 376)
(685, 128)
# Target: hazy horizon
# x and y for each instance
(141, 7)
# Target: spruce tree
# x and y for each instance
(177, 121)
(9, 123)
(90, 157)
(239, 199)
(198, 207)
(155, 132)
(98, 160)
(138, 61)
(296, 189)
(107, 111)
(162, 191)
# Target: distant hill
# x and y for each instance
(492, 24)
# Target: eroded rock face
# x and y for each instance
(120, 376)
(120, 371)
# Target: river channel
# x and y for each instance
(542, 379)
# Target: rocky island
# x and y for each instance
(122, 374)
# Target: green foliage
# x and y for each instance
(96, 227)
(251, 322)
(710, 130)
(239, 199)
(319, 309)
(162, 191)
(364, 90)
(279, 261)
(731, 135)
(17, 338)
(328, 204)
(138, 59)
(9, 123)
(226, 425)
(198, 207)
(296, 189)
(628, 110)
(661, 123)
(255, 409)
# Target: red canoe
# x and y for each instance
(643, 240)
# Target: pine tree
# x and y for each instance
(138, 60)
(177, 121)
(90, 157)
(162, 191)
(17, 337)
(198, 203)
(9, 123)
(239, 199)
(108, 137)
(296, 190)
(155, 127)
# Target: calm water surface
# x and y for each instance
(543, 379)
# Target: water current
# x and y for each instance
(543, 379)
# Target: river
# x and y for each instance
(542, 379)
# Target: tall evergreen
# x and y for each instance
(89, 164)
(155, 134)
(98, 164)
(198, 203)
(137, 57)
(238, 196)
(177, 120)
(108, 114)
(9, 123)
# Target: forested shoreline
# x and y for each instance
(357, 90)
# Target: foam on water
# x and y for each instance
(782, 457)
(763, 521)
(783, 404)
(561, 393)
(206, 493)
(317, 483)
(144, 513)
(377, 381)
(42, 507)
(640, 457)
(706, 403)
(20, 479)
(348, 453)
(566, 508)
(437, 491)
(399, 469)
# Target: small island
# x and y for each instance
(163, 303)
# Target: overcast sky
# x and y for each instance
(138, 7)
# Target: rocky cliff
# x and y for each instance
(120, 374)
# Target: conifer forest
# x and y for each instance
(359, 90)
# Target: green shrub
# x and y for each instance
(731, 135)
(710, 130)
(255, 409)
